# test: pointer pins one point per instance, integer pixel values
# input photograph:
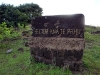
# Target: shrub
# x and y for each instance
(7, 33)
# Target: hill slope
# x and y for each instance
(18, 61)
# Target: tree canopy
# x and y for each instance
(19, 14)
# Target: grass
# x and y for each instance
(14, 63)
(91, 57)
(19, 63)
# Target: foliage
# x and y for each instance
(7, 33)
(31, 9)
(19, 14)
(88, 33)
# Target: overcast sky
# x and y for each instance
(90, 8)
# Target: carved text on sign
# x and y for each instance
(57, 31)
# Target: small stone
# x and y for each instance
(21, 49)
(14, 56)
(26, 44)
(8, 51)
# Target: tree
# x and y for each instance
(31, 10)
(19, 14)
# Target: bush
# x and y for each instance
(7, 33)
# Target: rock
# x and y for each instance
(60, 42)
(26, 44)
(8, 51)
(21, 49)
(25, 34)
(14, 56)
(96, 32)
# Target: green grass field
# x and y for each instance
(19, 62)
